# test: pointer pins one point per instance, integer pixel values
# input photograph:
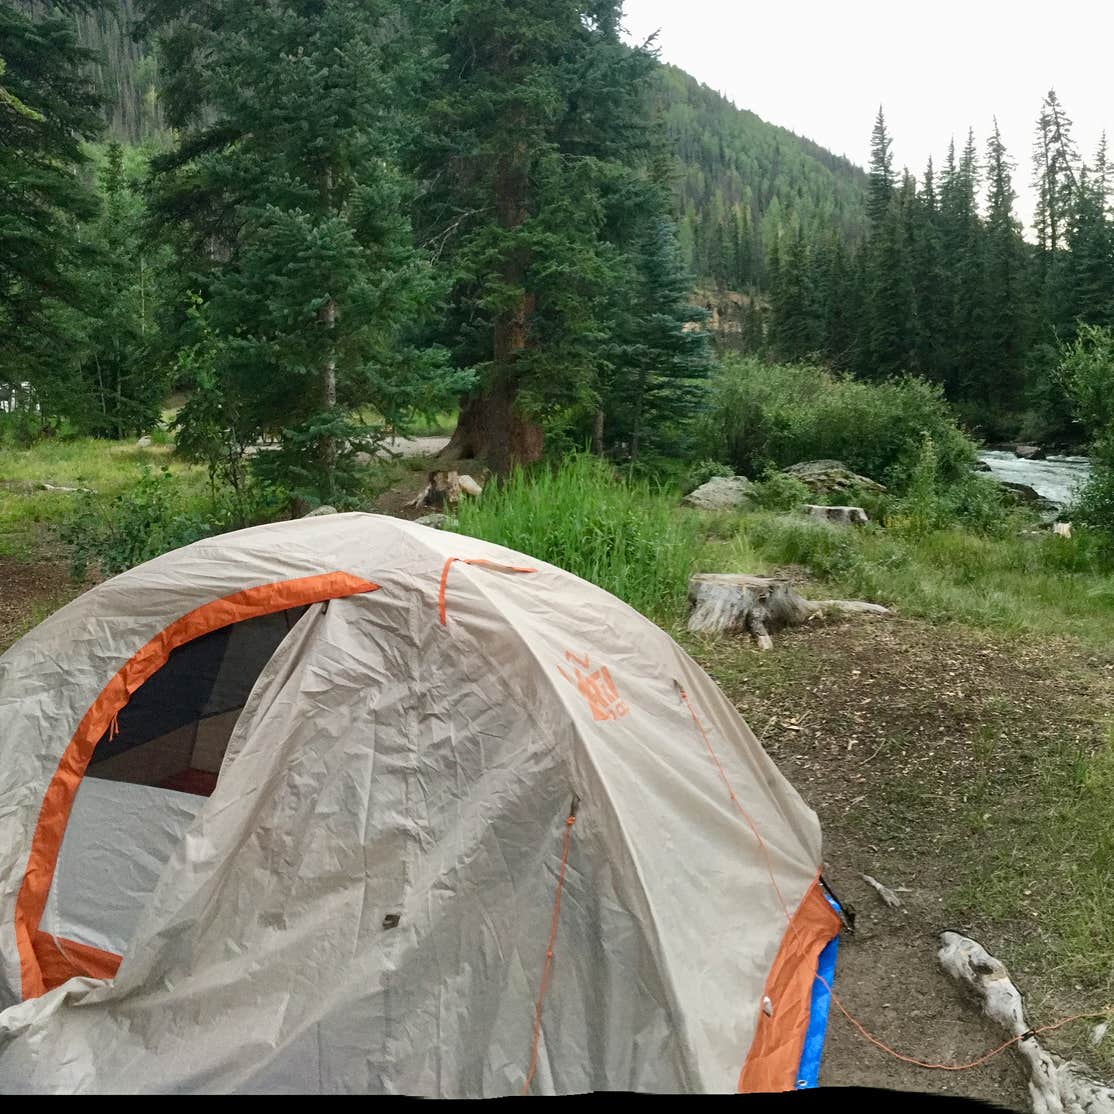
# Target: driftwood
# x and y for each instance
(884, 892)
(758, 605)
(843, 516)
(444, 489)
(1056, 1086)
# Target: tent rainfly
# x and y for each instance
(348, 804)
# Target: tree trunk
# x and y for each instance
(597, 433)
(491, 425)
(329, 402)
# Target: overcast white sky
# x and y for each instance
(822, 68)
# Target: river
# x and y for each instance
(1057, 478)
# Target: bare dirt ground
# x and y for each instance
(919, 746)
(29, 591)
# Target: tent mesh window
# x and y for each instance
(175, 729)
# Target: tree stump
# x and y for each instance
(758, 605)
(843, 516)
(444, 489)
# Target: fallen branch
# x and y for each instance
(1056, 1086)
(884, 892)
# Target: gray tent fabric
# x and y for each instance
(118, 840)
(365, 901)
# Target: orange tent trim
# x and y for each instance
(775, 1052)
(44, 962)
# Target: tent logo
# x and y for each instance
(596, 686)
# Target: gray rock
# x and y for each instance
(323, 509)
(843, 516)
(144, 443)
(1023, 493)
(828, 476)
(721, 493)
(437, 521)
(1029, 452)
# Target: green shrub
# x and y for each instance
(152, 517)
(766, 415)
(626, 536)
(781, 492)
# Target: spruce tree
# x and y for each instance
(285, 189)
(48, 108)
(1007, 292)
(881, 174)
(537, 110)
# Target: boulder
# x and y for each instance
(843, 516)
(144, 443)
(317, 511)
(437, 521)
(825, 477)
(1028, 452)
(1023, 493)
(721, 493)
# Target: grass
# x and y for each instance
(1018, 584)
(106, 467)
(626, 536)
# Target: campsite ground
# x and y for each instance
(933, 754)
(963, 766)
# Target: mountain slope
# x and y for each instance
(742, 180)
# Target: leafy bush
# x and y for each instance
(1087, 373)
(781, 492)
(768, 415)
(111, 535)
(624, 535)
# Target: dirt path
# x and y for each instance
(919, 747)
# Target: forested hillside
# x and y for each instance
(742, 181)
(738, 179)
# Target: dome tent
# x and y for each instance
(475, 827)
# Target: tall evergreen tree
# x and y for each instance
(661, 356)
(538, 106)
(1007, 298)
(48, 107)
(285, 188)
(881, 173)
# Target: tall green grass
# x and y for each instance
(628, 537)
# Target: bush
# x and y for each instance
(781, 492)
(768, 415)
(626, 536)
(979, 504)
(111, 535)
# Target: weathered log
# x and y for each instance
(758, 605)
(843, 516)
(1056, 1086)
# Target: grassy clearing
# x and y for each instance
(106, 467)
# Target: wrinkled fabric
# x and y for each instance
(389, 769)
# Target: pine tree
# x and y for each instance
(1007, 293)
(881, 174)
(537, 108)
(1087, 279)
(661, 358)
(891, 309)
(796, 317)
(285, 189)
(48, 107)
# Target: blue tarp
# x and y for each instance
(809, 1071)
